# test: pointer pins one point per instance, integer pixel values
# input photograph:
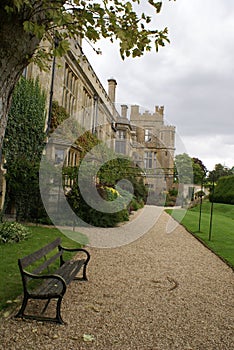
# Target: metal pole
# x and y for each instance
(200, 212)
(56, 42)
(51, 96)
(211, 208)
(95, 113)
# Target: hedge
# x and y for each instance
(224, 190)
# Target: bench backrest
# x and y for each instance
(39, 254)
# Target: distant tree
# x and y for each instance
(199, 171)
(29, 28)
(183, 171)
(219, 171)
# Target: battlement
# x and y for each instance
(159, 110)
(157, 115)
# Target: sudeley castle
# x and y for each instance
(142, 136)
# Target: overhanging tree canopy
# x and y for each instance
(26, 24)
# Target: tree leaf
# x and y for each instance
(88, 337)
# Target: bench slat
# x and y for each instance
(70, 269)
(31, 258)
(53, 287)
(47, 263)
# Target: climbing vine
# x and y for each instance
(23, 146)
(58, 115)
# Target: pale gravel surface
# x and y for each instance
(161, 292)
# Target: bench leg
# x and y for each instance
(84, 273)
(85, 267)
(57, 319)
(46, 305)
(23, 307)
(58, 312)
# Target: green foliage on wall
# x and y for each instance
(58, 115)
(87, 141)
(23, 146)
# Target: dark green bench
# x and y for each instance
(51, 285)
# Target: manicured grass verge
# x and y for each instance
(11, 284)
(222, 235)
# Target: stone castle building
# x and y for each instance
(143, 137)
(150, 143)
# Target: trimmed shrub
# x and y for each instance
(224, 190)
(12, 232)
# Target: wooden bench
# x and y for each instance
(51, 285)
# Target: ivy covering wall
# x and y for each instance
(23, 145)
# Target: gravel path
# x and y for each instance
(161, 292)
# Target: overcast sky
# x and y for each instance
(193, 76)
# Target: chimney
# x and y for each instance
(134, 112)
(111, 89)
(124, 109)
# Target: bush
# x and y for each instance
(224, 190)
(97, 218)
(12, 232)
(135, 205)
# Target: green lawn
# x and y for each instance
(11, 285)
(222, 234)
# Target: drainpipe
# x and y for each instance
(56, 42)
(95, 113)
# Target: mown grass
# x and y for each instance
(222, 233)
(11, 284)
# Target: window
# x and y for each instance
(147, 135)
(120, 143)
(120, 146)
(87, 107)
(70, 90)
(148, 160)
(59, 156)
(121, 134)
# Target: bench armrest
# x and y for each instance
(47, 276)
(82, 250)
(76, 250)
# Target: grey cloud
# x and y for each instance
(193, 77)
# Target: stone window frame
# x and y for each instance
(148, 159)
(70, 89)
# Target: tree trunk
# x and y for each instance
(17, 47)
